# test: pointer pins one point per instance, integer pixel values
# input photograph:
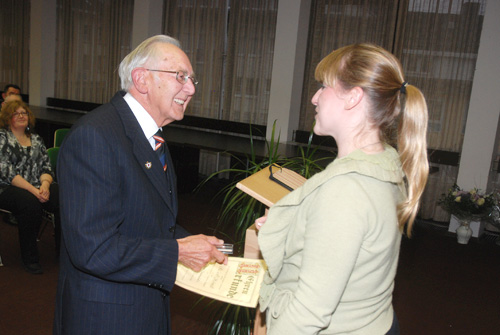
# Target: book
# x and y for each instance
(236, 283)
(267, 186)
(271, 184)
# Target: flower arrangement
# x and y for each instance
(468, 205)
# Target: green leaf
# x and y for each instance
(240, 210)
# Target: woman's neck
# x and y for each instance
(21, 137)
(369, 143)
(18, 132)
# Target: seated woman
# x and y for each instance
(26, 180)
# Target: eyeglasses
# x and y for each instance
(18, 114)
(181, 76)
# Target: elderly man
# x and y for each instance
(121, 245)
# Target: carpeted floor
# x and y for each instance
(442, 287)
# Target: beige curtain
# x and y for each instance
(14, 43)
(336, 23)
(441, 179)
(437, 43)
(200, 27)
(92, 39)
(230, 44)
(252, 28)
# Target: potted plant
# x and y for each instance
(466, 206)
(239, 211)
(494, 217)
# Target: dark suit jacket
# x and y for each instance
(118, 210)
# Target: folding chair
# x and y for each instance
(9, 213)
(48, 216)
(59, 135)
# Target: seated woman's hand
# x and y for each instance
(43, 192)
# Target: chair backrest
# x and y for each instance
(59, 136)
(52, 153)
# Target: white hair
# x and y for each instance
(140, 55)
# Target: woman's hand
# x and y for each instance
(44, 192)
(260, 221)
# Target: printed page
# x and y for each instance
(236, 283)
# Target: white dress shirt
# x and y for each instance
(148, 125)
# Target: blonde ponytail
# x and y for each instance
(397, 109)
(412, 148)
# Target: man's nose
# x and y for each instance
(189, 87)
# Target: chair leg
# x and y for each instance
(42, 229)
(48, 217)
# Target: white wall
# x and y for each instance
(484, 109)
(42, 51)
(148, 15)
(288, 67)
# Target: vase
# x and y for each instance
(464, 232)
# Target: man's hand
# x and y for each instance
(198, 250)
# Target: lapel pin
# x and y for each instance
(148, 165)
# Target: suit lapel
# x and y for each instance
(171, 177)
(143, 152)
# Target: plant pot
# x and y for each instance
(464, 232)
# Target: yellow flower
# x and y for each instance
(458, 199)
(480, 201)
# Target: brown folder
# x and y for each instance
(271, 184)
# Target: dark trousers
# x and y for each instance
(395, 326)
(27, 210)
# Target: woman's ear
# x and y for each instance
(354, 97)
(139, 79)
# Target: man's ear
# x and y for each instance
(139, 79)
(353, 97)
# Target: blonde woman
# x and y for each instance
(332, 245)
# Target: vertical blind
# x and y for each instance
(92, 39)
(200, 26)
(14, 43)
(437, 42)
(334, 24)
(231, 46)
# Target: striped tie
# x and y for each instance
(160, 148)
